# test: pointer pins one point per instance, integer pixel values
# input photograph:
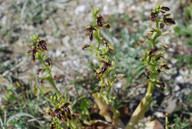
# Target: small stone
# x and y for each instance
(186, 91)
(177, 88)
(171, 105)
(58, 53)
(172, 50)
(184, 72)
(159, 114)
(95, 61)
(119, 85)
(174, 61)
(179, 79)
(4, 19)
(63, 54)
(65, 41)
(80, 9)
(121, 7)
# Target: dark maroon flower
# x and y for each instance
(154, 16)
(99, 21)
(65, 106)
(140, 43)
(104, 67)
(42, 44)
(33, 52)
(90, 30)
(162, 25)
(153, 51)
(165, 8)
(53, 126)
(169, 21)
(85, 46)
(106, 26)
(49, 62)
(38, 71)
(164, 66)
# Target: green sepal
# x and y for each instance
(35, 38)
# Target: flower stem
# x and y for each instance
(51, 81)
(49, 76)
(143, 106)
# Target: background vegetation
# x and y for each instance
(61, 22)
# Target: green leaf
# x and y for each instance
(180, 61)
(84, 107)
(188, 60)
(18, 115)
(177, 30)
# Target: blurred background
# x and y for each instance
(61, 24)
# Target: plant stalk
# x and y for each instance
(103, 107)
(49, 78)
(143, 106)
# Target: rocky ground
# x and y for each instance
(61, 24)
